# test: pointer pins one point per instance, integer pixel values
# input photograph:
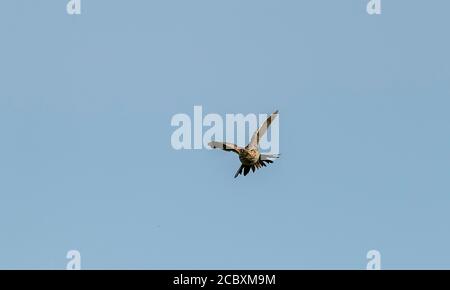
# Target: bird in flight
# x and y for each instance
(250, 156)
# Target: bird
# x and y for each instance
(250, 157)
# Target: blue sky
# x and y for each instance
(86, 161)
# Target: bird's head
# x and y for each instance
(251, 149)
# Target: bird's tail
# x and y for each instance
(239, 171)
(245, 169)
(264, 159)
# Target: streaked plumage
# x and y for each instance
(250, 156)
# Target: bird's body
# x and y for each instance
(250, 156)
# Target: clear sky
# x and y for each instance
(86, 161)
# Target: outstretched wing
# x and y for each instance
(263, 129)
(225, 146)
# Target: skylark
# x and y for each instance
(250, 156)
